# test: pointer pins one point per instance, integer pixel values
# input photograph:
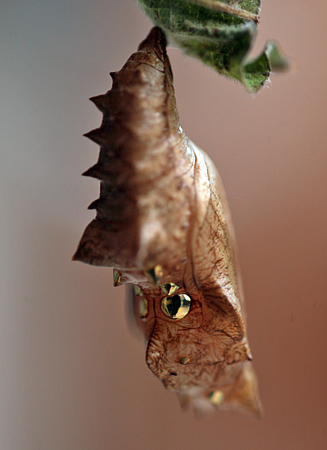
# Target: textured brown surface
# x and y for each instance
(66, 366)
(170, 211)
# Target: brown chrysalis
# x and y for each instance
(163, 223)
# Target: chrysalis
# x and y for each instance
(163, 223)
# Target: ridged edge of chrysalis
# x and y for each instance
(140, 92)
(162, 218)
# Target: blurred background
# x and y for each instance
(72, 376)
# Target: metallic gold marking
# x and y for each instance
(177, 306)
(185, 360)
(155, 274)
(216, 397)
(117, 277)
(169, 288)
(143, 307)
(137, 290)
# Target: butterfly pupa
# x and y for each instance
(163, 224)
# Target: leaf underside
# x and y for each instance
(220, 34)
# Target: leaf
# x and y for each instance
(220, 34)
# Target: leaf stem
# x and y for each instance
(216, 5)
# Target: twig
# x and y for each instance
(216, 5)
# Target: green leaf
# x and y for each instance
(219, 33)
(277, 58)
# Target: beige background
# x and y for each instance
(72, 377)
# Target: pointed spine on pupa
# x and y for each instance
(162, 219)
(139, 118)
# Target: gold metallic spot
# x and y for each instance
(185, 360)
(143, 307)
(137, 290)
(117, 278)
(216, 397)
(169, 288)
(155, 274)
(177, 306)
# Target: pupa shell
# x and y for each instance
(163, 224)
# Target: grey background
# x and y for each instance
(72, 376)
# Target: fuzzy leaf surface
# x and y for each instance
(220, 33)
